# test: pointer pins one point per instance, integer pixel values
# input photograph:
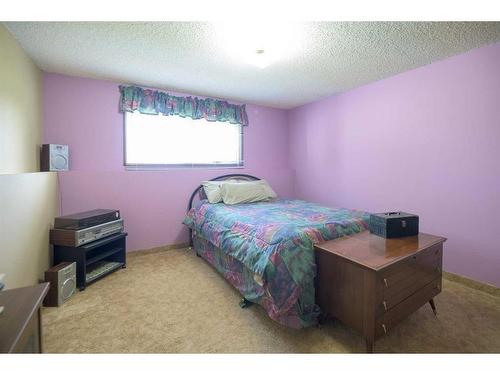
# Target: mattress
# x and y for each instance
(274, 242)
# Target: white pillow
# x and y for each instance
(212, 190)
(268, 189)
(246, 192)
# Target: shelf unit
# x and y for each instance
(109, 249)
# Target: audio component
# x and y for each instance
(69, 237)
(99, 269)
(62, 279)
(86, 219)
(54, 158)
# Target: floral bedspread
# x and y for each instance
(275, 241)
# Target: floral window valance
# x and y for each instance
(154, 102)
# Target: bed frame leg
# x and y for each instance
(244, 303)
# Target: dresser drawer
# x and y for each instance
(392, 317)
(403, 279)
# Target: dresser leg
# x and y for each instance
(433, 306)
(40, 334)
(322, 318)
(369, 345)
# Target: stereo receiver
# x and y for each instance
(68, 237)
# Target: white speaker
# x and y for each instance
(62, 279)
(54, 158)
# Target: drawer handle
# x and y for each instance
(385, 305)
(384, 328)
(385, 282)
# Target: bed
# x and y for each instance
(265, 249)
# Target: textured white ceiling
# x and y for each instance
(195, 57)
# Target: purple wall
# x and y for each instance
(426, 141)
(83, 113)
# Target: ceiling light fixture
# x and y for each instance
(260, 59)
(259, 43)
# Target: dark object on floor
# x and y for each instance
(371, 284)
(394, 224)
(109, 251)
(62, 279)
(244, 303)
(20, 322)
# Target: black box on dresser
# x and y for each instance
(394, 224)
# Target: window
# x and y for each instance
(171, 141)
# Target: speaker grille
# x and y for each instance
(68, 288)
(59, 162)
(67, 283)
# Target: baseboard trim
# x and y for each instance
(158, 249)
(474, 284)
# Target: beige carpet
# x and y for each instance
(174, 302)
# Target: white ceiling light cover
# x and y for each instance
(260, 44)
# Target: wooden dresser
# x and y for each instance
(20, 322)
(371, 283)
